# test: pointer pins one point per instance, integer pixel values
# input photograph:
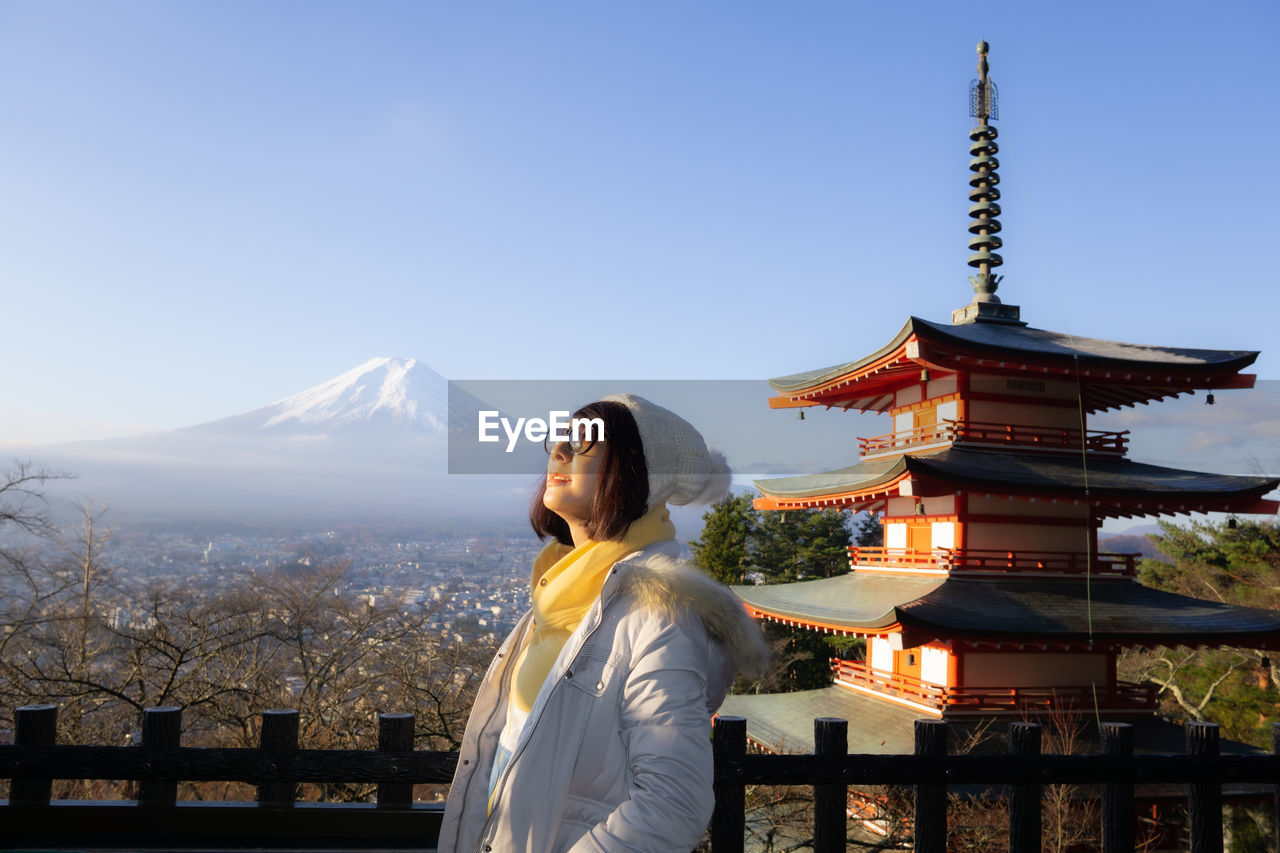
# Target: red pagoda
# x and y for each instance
(990, 595)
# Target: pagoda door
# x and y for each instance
(920, 540)
(926, 424)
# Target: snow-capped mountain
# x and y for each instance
(372, 440)
(396, 394)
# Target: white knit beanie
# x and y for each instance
(682, 468)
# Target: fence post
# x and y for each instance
(279, 738)
(1204, 798)
(395, 734)
(1024, 807)
(1117, 797)
(729, 820)
(1275, 750)
(161, 731)
(34, 725)
(931, 799)
(830, 802)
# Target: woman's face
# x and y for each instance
(571, 482)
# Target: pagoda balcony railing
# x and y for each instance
(995, 561)
(1123, 697)
(965, 432)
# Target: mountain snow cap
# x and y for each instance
(397, 392)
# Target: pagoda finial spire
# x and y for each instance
(984, 106)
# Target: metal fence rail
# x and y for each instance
(30, 819)
(929, 770)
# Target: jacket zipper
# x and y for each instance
(506, 681)
(506, 771)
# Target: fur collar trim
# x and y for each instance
(672, 587)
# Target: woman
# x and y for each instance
(591, 730)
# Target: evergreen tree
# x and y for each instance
(725, 548)
(799, 544)
(1235, 562)
(825, 546)
(783, 547)
(778, 545)
(868, 531)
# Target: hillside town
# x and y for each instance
(473, 587)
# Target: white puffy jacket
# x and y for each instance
(616, 754)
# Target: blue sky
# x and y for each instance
(207, 206)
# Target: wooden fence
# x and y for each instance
(30, 819)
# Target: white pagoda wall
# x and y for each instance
(1018, 414)
(880, 654)
(979, 504)
(899, 507)
(932, 389)
(1026, 537)
(1032, 388)
(1033, 669)
(934, 665)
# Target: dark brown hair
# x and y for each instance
(622, 490)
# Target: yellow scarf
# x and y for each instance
(566, 581)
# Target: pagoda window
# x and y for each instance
(908, 663)
(934, 663)
(880, 654)
(948, 411)
(895, 535)
(943, 534)
(904, 423)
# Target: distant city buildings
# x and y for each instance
(472, 586)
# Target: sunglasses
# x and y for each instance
(576, 447)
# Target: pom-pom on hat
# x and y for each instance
(682, 468)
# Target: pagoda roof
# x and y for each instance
(858, 600)
(1007, 609)
(1118, 486)
(783, 723)
(1112, 373)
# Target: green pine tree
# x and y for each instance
(868, 531)
(783, 547)
(729, 529)
(1236, 562)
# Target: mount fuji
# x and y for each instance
(371, 442)
(381, 396)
